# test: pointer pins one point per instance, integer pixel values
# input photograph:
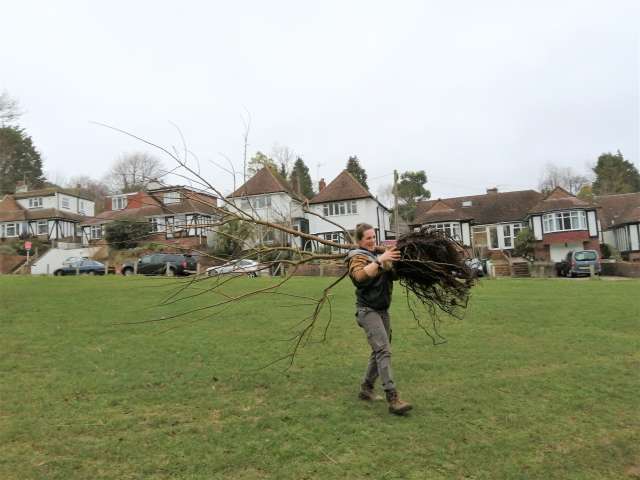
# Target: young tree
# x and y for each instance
(300, 179)
(410, 189)
(564, 177)
(19, 160)
(259, 161)
(354, 168)
(614, 174)
(133, 171)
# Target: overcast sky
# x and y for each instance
(477, 94)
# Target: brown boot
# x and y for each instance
(367, 393)
(397, 406)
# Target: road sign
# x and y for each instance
(27, 245)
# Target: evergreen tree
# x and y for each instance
(614, 174)
(19, 160)
(300, 179)
(354, 168)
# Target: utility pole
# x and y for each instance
(395, 201)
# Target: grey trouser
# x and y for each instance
(376, 325)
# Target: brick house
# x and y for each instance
(346, 202)
(46, 213)
(490, 223)
(620, 221)
(176, 214)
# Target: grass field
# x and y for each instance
(540, 380)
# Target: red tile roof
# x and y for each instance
(560, 199)
(619, 209)
(343, 187)
(264, 181)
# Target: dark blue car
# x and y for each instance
(82, 267)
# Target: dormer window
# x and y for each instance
(119, 203)
(35, 202)
(171, 197)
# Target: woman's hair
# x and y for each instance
(360, 229)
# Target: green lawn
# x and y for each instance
(540, 380)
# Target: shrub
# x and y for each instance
(524, 244)
(123, 234)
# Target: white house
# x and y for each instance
(46, 213)
(346, 203)
(269, 197)
(620, 220)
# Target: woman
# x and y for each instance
(373, 277)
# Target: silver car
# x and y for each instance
(579, 262)
(250, 267)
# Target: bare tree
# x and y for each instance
(284, 157)
(133, 171)
(91, 188)
(9, 109)
(564, 177)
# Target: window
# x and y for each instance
(153, 222)
(340, 208)
(467, 203)
(493, 237)
(261, 201)
(82, 207)
(119, 203)
(35, 202)
(64, 202)
(11, 229)
(451, 229)
(171, 197)
(42, 227)
(96, 232)
(563, 221)
(509, 234)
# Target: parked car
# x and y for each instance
(70, 260)
(579, 262)
(83, 267)
(250, 267)
(156, 264)
(476, 266)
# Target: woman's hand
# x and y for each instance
(390, 255)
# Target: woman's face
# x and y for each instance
(368, 241)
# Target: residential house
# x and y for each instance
(46, 213)
(176, 214)
(561, 222)
(620, 221)
(268, 196)
(491, 222)
(345, 203)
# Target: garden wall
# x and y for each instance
(621, 269)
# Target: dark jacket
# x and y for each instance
(371, 292)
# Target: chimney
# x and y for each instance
(21, 186)
(492, 191)
(321, 185)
